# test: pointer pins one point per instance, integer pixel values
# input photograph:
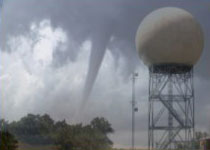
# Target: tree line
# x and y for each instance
(199, 135)
(43, 130)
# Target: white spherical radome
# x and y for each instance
(169, 35)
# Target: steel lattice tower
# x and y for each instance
(171, 107)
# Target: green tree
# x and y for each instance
(102, 125)
(198, 136)
(64, 138)
(33, 129)
(89, 137)
(4, 124)
(7, 141)
(42, 129)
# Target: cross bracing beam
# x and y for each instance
(169, 128)
(167, 142)
(172, 111)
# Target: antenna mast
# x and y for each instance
(134, 108)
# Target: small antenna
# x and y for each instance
(134, 108)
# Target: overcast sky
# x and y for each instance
(45, 55)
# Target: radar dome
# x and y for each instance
(169, 36)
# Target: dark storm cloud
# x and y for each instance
(82, 20)
(96, 20)
(87, 19)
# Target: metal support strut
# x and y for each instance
(171, 107)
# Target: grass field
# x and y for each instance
(32, 147)
(41, 147)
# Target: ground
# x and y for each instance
(48, 147)
(32, 147)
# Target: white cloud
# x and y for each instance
(30, 84)
(23, 70)
(48, 41)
